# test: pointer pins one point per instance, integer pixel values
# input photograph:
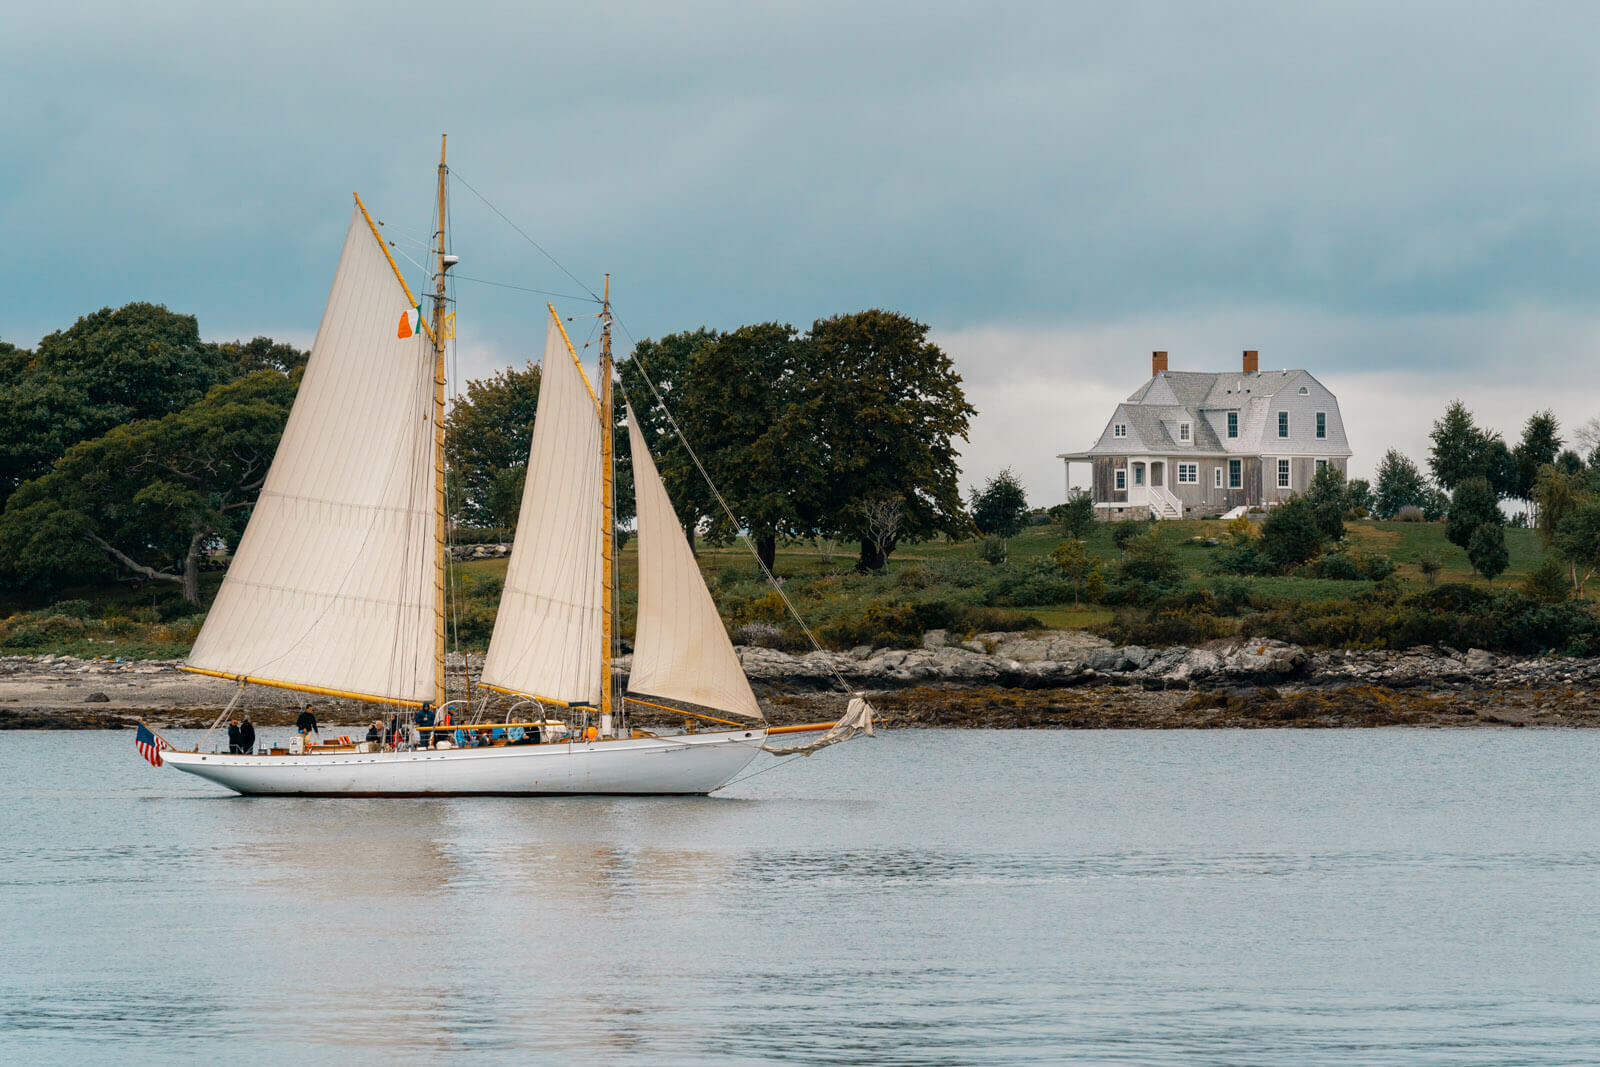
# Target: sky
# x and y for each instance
(1400, 198)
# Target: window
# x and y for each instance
(1233, 424)
(1183, 432)
(1283, 474)
(1218, 478)
(1283, 424)
(1321, 463)
(1235, 474)
(1119, 430)
(1304, 390)
(1188, 474)
(1122, 479)
(1322, 424)
(1138, 475)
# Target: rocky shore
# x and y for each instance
(1055, 679)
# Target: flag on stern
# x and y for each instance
(149, 745)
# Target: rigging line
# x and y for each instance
(778, 761)
(559, 265)
(794, 612)
(520, 288)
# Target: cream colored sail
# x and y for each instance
(547, 635)
(681, 649)
(332, 586)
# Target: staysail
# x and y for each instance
(547, 635)
(332, 586)
(681, 649)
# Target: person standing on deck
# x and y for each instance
(235, 743)
(247, 736)
(306, 723)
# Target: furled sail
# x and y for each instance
(681, 649)
(332, 586)
(548, 634)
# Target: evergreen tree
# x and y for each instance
(1460, 449)
(1539, 447)
(1399, 484)
(1329, 502)
(1472, 505)
(1486, 550)
(1289, 534)
(1000, 508)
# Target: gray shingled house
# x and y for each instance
(1191, 444)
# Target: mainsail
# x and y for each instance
(547, 636)
(332, 586)
(680, 649)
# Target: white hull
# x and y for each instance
(681, 764)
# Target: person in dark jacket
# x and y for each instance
(247, 736)
(375, 732)
(234, 741)
(307, 722)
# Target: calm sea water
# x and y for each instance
(930, 897)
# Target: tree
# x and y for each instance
(115, 366)
(1577, 539)
(147, 499)
(487, 435)
(1358, 498)
(1539, 447)
(1399, 484)
(731, 407)
(1460, 449)
(1329, 501)
(1126, 531)
(877, 409)
(1486, 550)
(1290, 535)
(1081, 569)
(882, 517)
(1076, 516)
(1000, 508)
(1149, 558)
(1472, 505)
(665, 364)
(1548, 582)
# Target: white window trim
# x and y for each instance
(1283, 424)
(1284, 474)
(1235, 465)
(1233, 424)
(1119, 429)
(1188, 474)
(1218, 478)
(1185, 433)
(1122, 479)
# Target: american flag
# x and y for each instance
(149, 745)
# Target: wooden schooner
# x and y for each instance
(338, 586)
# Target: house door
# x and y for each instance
(1158, 472)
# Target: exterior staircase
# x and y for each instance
(1163, 505)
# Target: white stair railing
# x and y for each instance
(1163, 505)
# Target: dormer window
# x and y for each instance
(1183, 432)
(1322, 424)
(1233, 424)
(1119, 429)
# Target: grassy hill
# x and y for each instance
(928, 585)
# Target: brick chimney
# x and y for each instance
(1252, 361)
(1158, 363)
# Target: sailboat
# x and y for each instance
(338, 585)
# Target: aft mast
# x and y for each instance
(440, 266)
(608, 530)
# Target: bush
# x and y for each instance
(1351, 564)
(993, 551)
(1244, 557)
(1147, 557)
(72, 609)
(1290, 535)
(1548, 582)
(1410, 513)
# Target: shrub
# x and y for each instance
(1548, 582)
(1410, 513)
(72, 609)
(1149, 558)
(1290, 535)
(993, 551)
(1487, 550)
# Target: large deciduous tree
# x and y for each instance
(148, 498)
(1539, 447)
(877, 412)
(731, 409)
(115, 366)
(666, 365)
(487, 436)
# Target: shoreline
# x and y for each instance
(1049, 680)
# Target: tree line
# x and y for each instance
(134, 448)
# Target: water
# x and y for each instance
(931, 897)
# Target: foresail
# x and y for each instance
(332, 586)
(547, 635)
(681, 650)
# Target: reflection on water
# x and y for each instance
(930, 897)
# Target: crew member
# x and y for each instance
(307, 722)
(235, 743)
(247, 736)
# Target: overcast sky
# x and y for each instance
(1400, 198)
